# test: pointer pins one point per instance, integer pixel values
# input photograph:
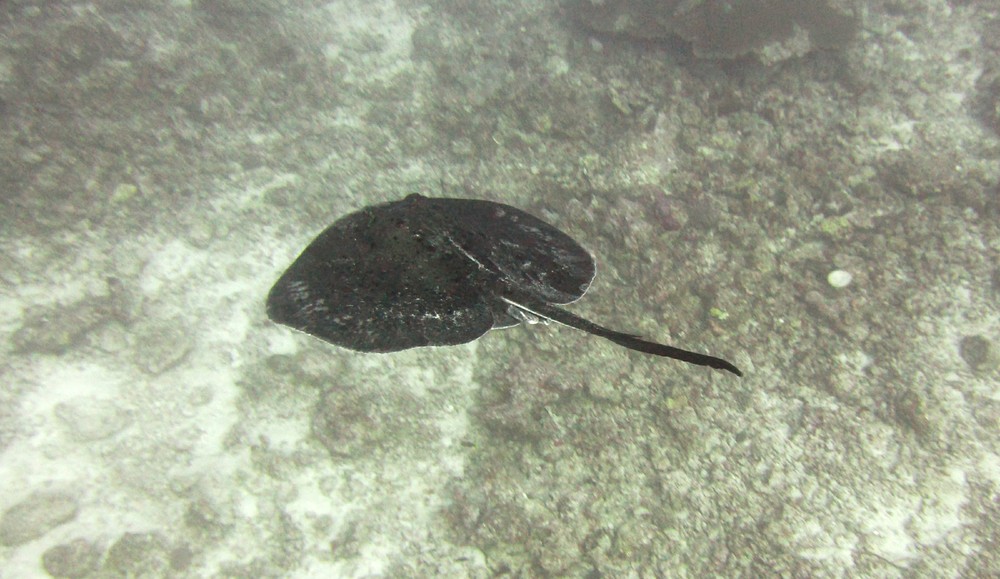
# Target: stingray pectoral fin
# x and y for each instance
(629, 341)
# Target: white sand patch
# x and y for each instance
(945, 494)
(171, 264)
(373, 39)
(886, 530)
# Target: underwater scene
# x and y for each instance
(499, 288)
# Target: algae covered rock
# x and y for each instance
(771, 29)
(77, 558)
(36, 515)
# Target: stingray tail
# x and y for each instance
(629, 341)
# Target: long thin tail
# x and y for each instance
(629, 341)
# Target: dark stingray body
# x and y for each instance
(431, 272)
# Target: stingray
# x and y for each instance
(433, 272)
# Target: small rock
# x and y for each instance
(839, 278)
(139, 555)
(124, 192)
(201, 233)
(161, 347)
(57, 330)
(349, 423)
(111, 339)
(181, 557)
(89, 419)
(979, 353)
(667, 212)
(122, 301)
(36, 515)
(78, 558)
(604, 390)
(911, 411)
